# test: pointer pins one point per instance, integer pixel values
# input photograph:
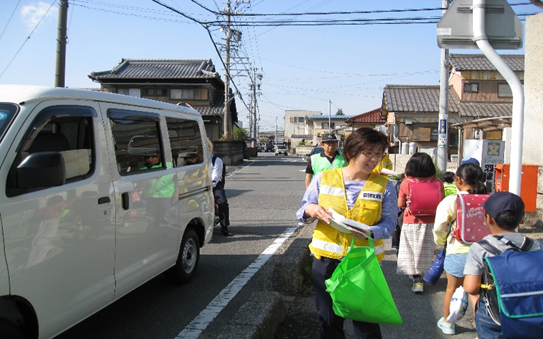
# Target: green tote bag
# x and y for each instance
(359, 290)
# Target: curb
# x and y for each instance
(262, 314)
(258, 318)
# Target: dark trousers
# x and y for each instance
(331, 325)
(224, 209)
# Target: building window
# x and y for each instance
(135, 92)
(504, 91)
(471, 88)
(453, 139)
(189, 94)
(324, 125)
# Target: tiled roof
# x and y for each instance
(479, 62)
(332, 117)
(373, 116)
(216, 107)
(425, 99)
(159, 69)
(480, 110)
(416, 98)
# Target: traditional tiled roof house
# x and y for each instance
(480, 103)
(192, 82)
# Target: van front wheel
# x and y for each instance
(187, 261)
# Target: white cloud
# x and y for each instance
(33, 13)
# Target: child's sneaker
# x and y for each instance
(446, 328)
(418, 287)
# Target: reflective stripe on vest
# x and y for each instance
(329, 242)
(338, 248)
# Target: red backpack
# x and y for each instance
(470, 218)
(424, 196)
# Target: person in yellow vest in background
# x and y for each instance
(329, 158)
(384, 163)
(359, 194)
(448, 183)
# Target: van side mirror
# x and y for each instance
(41, 169)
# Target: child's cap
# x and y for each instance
(471, 161)
(504, 201)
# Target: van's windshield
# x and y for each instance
(7, 112)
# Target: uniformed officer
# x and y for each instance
(327, 159)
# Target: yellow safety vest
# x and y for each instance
(329, 242)
(384, 163)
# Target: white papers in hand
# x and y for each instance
(388, 172)
(345, 225)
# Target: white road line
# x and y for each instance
(202, 320)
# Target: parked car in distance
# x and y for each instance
(268, 147)
(281, 149)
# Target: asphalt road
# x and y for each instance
(263, 195)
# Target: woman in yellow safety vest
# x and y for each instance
(358, 194)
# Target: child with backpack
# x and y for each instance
(420, 193)
(469, 179)
(503, 213)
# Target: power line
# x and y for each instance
(9, 20)
(27, 38)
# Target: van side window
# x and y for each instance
(185, 142)
(136, 138)
(64, 129)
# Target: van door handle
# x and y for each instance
(125, 201)
(103, 200)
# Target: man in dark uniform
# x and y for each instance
(328, 159)
(218, 176)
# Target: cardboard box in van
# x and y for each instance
(99, 193)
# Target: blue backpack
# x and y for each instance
(514, 288)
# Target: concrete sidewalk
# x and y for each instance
(285, 307)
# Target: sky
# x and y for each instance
(320, 68)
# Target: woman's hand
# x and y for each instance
(317, 211)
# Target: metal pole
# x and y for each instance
(443, 128)
(254, 102)
(60, 67)
(329, 116)
(481, 39)
(226, 118)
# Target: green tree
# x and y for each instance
(340, 112)
(239, 134)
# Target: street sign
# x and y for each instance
(503, 28)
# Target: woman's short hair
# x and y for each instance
(361, 139)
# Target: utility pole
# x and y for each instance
(226, 119)
(60, 69)
(443, 128)
(255, 90)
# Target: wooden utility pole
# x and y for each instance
(60, 69)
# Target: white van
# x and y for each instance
(99, 193)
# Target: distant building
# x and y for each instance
(480, 103)
(190, 82)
